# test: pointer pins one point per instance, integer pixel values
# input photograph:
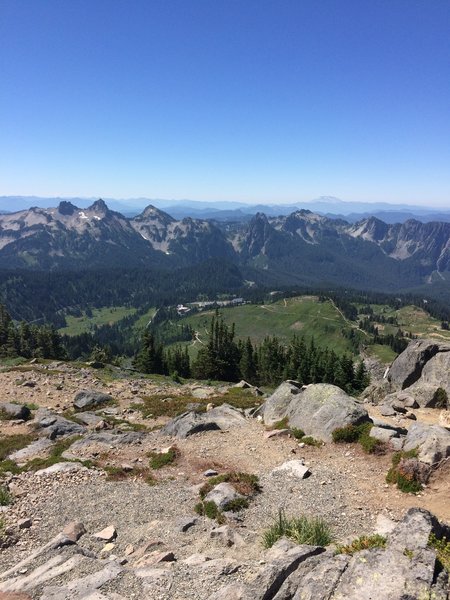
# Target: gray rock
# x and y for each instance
(226, 536)
(222, 494)
(189, 423)
(321, 408)
(79, 589)
(88, 418)
(61, 467)
(210, 473)
(184, 523)
(74, 530)
(397, 444)
(15, 411)
(90, 399)
(36, 448)
(275, 407)
(242, 384)
(318, 409)
(382, 434)
(56, 426)
(432, 441)
(386, 410)
(293, 467)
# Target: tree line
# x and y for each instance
(269, 363)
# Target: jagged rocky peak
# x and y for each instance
(99, 206)
(372, 228)
(151, 213)
(66, 208)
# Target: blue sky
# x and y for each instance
(248, 100)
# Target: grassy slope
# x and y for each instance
(304, 316)
(100, 316)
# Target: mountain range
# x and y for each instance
(302, 247)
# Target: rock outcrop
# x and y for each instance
(317, 409)
(415, 377)
(406, 569)
(188, 423)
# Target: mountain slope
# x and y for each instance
(302, 247)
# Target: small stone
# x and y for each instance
(210, 473)
(24, 523)
(107, 535)
(74, 530)
(108, 547)
(185, 523)
(129, 549)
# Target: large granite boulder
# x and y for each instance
(275, 407)
(86, 399)
(432, 442)
(188, 423)
(317, 409)
(421, 369)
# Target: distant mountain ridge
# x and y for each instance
(239, 211)
(300, 247)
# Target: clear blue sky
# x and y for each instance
(251, 100)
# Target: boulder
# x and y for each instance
(222, 494)
(406, 569)
(293, 467)
(432, 441)
(188, 423)
(275, 407)
(90, 398)
(421, 369)
(317, 409)
(382, 434)
(56, 426)
(15, 411)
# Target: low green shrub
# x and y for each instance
(5, 496)
(310, 441)
(236, 505)
(302, 530)
(209, 509)
(158, 460)
(405, 478)
(297, 433)
(350, 433)
(442, 547)
(364, 542)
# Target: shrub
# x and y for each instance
(5, 496)
(210, 510)
(310, 441)
(11, 443)
(302, 530)
(362, 543)
(158, 460)
(350, 433)
(442, 547)
(121, 474)
(371, 445)
(236, 505)
(440, 398)
(406, 472)
(244, 483)
(282, 424)
(297, 433)
(359, 433)
(9, 466)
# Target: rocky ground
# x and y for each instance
(159, 547)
